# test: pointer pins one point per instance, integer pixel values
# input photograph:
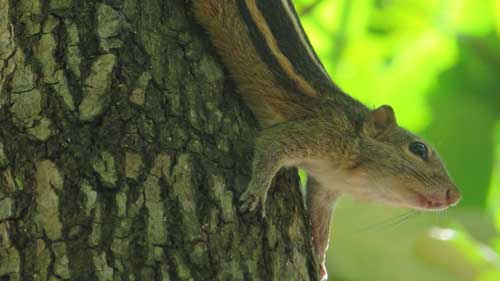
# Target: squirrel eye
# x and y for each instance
(419, 149)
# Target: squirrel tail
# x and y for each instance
(261, 86)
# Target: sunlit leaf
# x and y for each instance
(471, 16)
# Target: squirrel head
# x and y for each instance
(400, 168)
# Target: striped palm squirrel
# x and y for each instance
(309, 122)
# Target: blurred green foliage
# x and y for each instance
(437, 62)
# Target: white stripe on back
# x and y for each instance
(302, 36)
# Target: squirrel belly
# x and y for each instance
(309, 122)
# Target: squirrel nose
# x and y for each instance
(453, 196)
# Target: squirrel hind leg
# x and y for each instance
(320, 206)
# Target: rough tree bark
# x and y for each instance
(123, 150)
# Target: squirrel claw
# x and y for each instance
(250, 201)
(248, 204)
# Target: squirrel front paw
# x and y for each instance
(253, 197)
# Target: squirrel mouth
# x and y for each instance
(429, 203)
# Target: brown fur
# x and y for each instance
(344, 147)
(269, 101)
(282, 59)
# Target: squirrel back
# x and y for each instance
(310, 123)
(268, 55)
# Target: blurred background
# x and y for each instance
(437, 62)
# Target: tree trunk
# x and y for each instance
(123, 151)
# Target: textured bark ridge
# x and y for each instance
(123, 150)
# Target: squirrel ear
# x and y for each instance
(380, 119)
